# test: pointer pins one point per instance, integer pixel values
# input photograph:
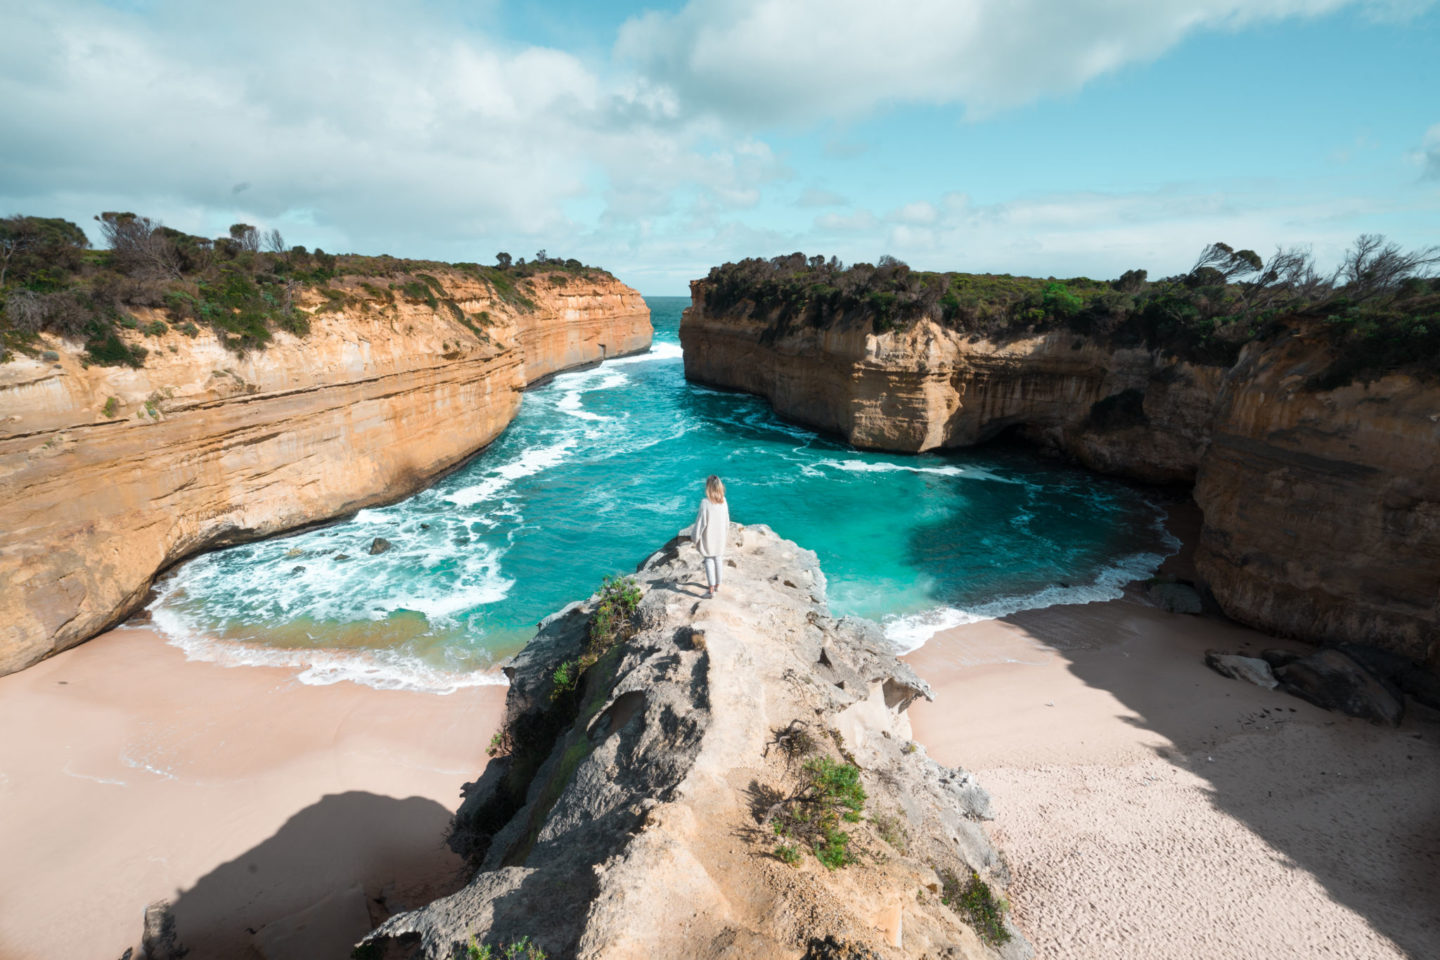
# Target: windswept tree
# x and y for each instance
(1373, 266)
(246, 237)
(32, 244)
(139, 244)
(274, 242)
(503, 260)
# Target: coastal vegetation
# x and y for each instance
(244, 286)
(827, 794)
(1380, 307)
(974, 901)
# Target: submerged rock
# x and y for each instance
(1332, 680)
(379, 545)
(1237, 667)
(634, 814)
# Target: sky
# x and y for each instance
(1046, 137)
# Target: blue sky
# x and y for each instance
(1029, 136)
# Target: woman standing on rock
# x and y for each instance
(712, 528)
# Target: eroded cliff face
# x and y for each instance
(1322, 509)
(110, 474)
(635, 816)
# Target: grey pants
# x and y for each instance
(712, 571)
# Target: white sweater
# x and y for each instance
(712, 527)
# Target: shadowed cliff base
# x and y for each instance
(1152, 808)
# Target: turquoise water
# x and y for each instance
(604, 465)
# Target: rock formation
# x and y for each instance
(636, 815)
(1321, 507)
(111, 474)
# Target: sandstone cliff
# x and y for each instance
(1322, 508)
(635, 817)
(111, 474)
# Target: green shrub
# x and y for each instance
(156, 329)
(827, 795)
(566, 678)
(619, 598)
(522, 949)
(974, 901)
(112, 407)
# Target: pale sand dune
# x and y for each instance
(1152, 809)
(128, 774)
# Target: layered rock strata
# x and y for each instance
(111, 474)
(1322, 508)
(638, 823)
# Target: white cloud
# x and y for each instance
(800, 61)
(355, 126)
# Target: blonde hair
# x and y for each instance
(715, 489)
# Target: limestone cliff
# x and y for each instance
(635, 816)
(1322, 508)
(111, 474)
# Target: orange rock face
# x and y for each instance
(110, 475)
(1322, 509)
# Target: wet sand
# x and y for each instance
(1150, 808)
(253, 802)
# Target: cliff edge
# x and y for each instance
(112, 473)
(1321, 506)
(682, 777)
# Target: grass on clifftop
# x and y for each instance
(1380, 309)
(243, 286)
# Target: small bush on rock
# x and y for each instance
(977, 904)
(828, 794)
(522, 949)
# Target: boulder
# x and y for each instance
(1279, 658)
(1175, 597)
(1331, 680)
(1408, 675)
(379, 545)
(1237, 667)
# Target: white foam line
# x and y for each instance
(864, 466)
(134, 764)
(909, 633)
(85, 776)
(659, 350)
(377, 669)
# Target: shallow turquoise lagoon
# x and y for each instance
(599, 469)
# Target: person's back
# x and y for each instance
(712, 529)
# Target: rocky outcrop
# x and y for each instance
(1321, 508)
(111, 474)
(635, 817)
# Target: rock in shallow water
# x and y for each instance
(379, 545)
(1331, 680)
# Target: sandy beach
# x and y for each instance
(1150, 808)
(270, 812)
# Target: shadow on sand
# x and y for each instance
(1380, 858)
(325, 879)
